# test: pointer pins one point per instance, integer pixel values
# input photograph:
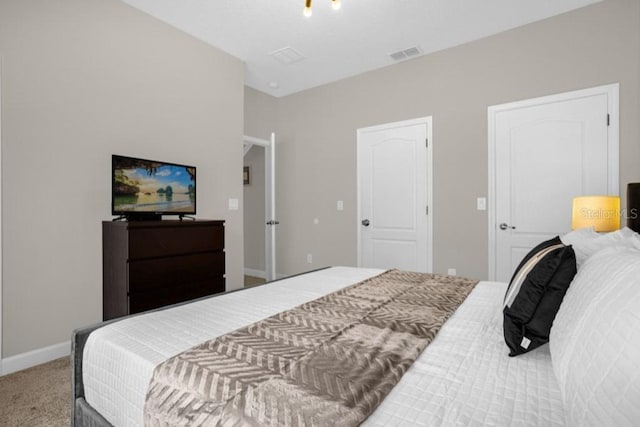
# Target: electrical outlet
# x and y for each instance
(451, 272)
(309, 259)
(340, 205)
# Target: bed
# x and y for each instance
(591, 376)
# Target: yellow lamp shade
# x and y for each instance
(600, 212)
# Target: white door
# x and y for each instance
(394, 228)
(543, 153)
(270, 209)
(1, 371)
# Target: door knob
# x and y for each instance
(365, 222)
(272, 222)
(504, 226)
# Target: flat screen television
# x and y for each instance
(148, 189)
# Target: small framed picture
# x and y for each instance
(246, 175)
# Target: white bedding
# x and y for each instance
(463, 378)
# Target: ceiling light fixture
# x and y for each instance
(335, 5)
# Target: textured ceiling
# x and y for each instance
(337, 44)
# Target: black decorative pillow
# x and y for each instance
(535, 293)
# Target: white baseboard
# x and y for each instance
(255, 273)
(35, 357)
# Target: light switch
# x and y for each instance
(340, 205)
(233, 204)
(316, 221)
(482, 203)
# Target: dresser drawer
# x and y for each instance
(144, 301)
(153, 242)
(176, 271)
(148, 264)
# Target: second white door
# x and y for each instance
(393, 196)
(545, 152)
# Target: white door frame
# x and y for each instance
(427, 121)
(612, 92)
(270, 198)
(1, 371)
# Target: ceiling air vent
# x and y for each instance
(287, 55)
(405, 53)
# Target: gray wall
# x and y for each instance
(316, 129)
(84, 79)
(260, 113)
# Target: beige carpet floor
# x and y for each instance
(250, 281)
(38, 396)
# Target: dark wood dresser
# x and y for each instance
(149, 264)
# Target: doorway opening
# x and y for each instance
(259, 210)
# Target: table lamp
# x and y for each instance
(600, 212)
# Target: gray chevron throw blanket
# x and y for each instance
(328, 362)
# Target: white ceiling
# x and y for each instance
(337, 44)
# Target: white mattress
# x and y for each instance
(463, 378)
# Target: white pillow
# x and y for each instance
(581, 240)
(586, 242)
(595, 341)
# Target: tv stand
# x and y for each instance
(193, 218)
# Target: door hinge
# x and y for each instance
(426, 141)
(427, 210)
(608, 120)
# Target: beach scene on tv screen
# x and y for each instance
(144, 186)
